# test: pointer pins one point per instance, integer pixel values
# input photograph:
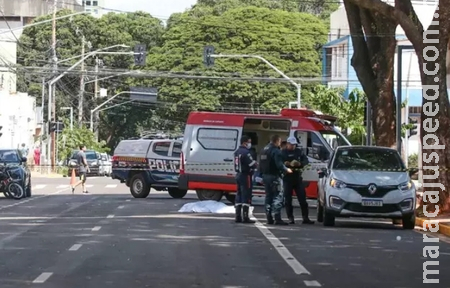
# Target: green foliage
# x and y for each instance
(70, 140)
(413, 160)
(350, 112)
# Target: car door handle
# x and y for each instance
(228, 160)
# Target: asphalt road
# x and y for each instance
(109, 239)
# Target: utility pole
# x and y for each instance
(81, 94)
(52, 138)
(95, 97)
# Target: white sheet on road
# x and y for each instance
(209, 206)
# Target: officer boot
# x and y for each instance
(290, 214)
(278, 220)
(305, 213)
(269, 217)
(245, 210)
(238, 218)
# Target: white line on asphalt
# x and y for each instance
(39, 186)
(312, 284)
(128, 200)
(31, 199)
(43, 277)
(62, 186)
(282, 250)
(111, 186)
(96, 228)
(110, 216)
(75, 247)
(120, 207)
(89, 186)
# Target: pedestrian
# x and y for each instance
(283, 145)
(273, 169)
(244, 165)
(24, 150)
(83, 169)
(295, 159)
(37, 156)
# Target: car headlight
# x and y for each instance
(337, 184)
(405, 186)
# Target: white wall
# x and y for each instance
(18, 118)
(8, 58)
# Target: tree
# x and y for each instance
(70, 140)
(243, 30)
(373, 39)
(435, 121)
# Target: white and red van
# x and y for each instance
(210, 140)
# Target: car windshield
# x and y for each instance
(334, 139)
(9, 156)
(367, 158)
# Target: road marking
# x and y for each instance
(128, 200)
(282, 250)
(62, 186)
(43, 277)
(39, 186)
(110, 216)
(89, 186)
(96, 228)
(31, 199)
(75, 247)
(312, 284)
(120, 207)
(111, 186)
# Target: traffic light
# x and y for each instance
(1, 127)
(52, 127)
(413, 130)
(207, 59)
(140, 54)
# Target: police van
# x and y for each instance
(143, 164)
(211, 138)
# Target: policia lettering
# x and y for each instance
(273, 169)
(296, 160)
(244, 166)
(160, 165)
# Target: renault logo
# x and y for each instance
(372, 189)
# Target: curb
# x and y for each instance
(444, 229)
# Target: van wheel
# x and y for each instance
(209, 195)
(138, 187)
(409, 222)
(177, 193)
(230, 197)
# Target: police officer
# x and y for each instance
(295, 159)
(272, 168)
(244, 165)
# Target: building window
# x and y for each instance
(95, 11)
(88, 3)
(94, 3)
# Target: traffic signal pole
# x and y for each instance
(208, 55)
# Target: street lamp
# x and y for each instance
(104, 103)
(71, 115)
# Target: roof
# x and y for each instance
(365, 146)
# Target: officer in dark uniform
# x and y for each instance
(296, 160)
(244, 165)
(272, 169)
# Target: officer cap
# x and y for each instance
(292, 140)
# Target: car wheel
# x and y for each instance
(177, 193)
(209, 195)
(409, 222)
(230, 197)
(138, 187)
(319, 211)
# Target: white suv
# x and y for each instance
(366, 181)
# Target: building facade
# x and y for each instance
(94, 7)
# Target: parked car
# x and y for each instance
(92, 157)
(366, 181)
(105, 164)
(17, 167)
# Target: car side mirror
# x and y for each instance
(322, 172)
(24, 159)
(413, 171)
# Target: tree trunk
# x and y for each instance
(373, 61)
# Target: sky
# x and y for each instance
(158, 8)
